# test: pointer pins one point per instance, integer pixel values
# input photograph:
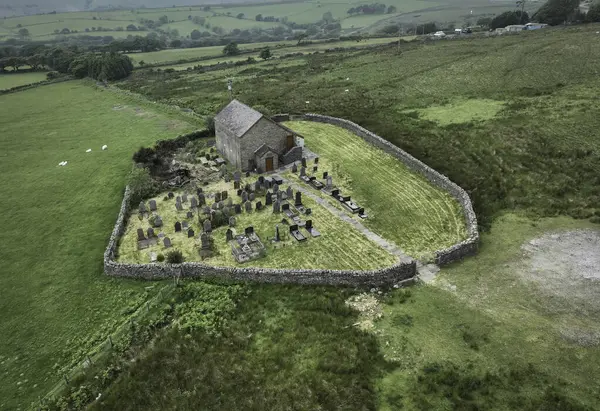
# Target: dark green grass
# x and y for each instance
(55, 302)
(284, 347)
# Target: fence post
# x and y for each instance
(110, 341)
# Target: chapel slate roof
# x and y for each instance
(238, 117)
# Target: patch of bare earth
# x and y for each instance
(369, 308)
(565, 267)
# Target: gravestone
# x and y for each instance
(178, 206)
(152, 205)
(178, 199)
(171, 195)
(329, 184)
(239, 192)
(232, 221)
(153, 257)
(257, 186)
(251, 197)
(308, 225)
(304, 162)
(193, 202)
(150, 232)
(185, 225)
(236, 185)
(207, 226)
(261, 180)
(258, 206)
(199, 191)
(177, 227)
(294, 168)
(201, 199)
(244, 196)
(249, 230)
(215, 206)
(217, 197)
(226, 211)
(140, 234)
(238, 209)
(142, 207)
(206, 210)
(298, 201)
(315, 168)
(335, 193)
(158, 221)
(229, 235)
(268, 199)
(189, 215)
(229, 202)
(220, 205)
(302, 171)
(227, 178)
(248, 206)
(205, 240)
(248, 188)
(237, 176)
(277, 235)
(285, 221)
(289, 192)
(280, 195)
(184, 198)
(191, 233)
(316, 160)
(167, 242)
(308, 211)
(325, 174)
(247, 174)
(275, 188)
(161, 235)
(224, 196)
(223, 170)
(277, 207)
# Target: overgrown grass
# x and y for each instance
(56, 303)
(401, 205)
(284, 347)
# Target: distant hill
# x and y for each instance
(27, 7)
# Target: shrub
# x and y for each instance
(52, 75)
(145, 155)
(141, 184)
(160, 258)
(210, 123)
(175, 257)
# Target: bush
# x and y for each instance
(52, 75)
(160, 258)
(175, 257)
(145, 155)
(210, 123)
(141, 184)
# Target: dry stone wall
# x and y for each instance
(445, 256)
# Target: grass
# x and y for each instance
(56, 301)
(339, 247)
(401, 205)
(13, 80)
(462, 111)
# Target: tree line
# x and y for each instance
(67, 60)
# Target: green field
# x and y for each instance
(13, 80)
(401, 205)
(340, 246)
(59, 220)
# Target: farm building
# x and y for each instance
(249, 140)
(515, 27)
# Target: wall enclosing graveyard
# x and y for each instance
(403, 271)
(456, 252)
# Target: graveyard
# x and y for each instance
(320, 239)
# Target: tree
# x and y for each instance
(206, 8)
(65, 31)
(484, 21)
(258, 17)
(593, 14)
(199, 20)
(163, 20)
(327, 17)
(23, 33)
(521, 4)
(265, 53)
(555, 12)
(131, 27)
(195, 35)
(391, 9)
(240, 16)
(231, 49)
(176, 43)
(351, 11)
(509, 18)
(300, 37)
